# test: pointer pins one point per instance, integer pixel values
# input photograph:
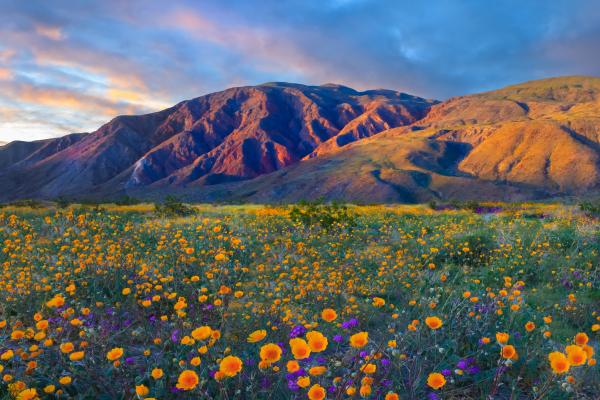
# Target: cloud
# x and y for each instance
(72, 65)
(50, 32)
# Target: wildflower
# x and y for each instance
(7, 355)
(378, 302)
(436, 380)
(66, 347)
(202, 333)
(300, 348)
(49, 389)
(529, 326)
(581, 338)
(76, 356)
(157, 373)
(316, 392)
(187, 380)
(230, 366)
(303, 381)
(509, 352)
(502, 337)
(257, 336)
(65, 380)
(558, 362)
(392, 396)
(316, 341)
(317, 370)
(359, 340)
(292, 366)
(433, 322)
(365, 390)
(369, 368)
(270, 352)
(114, 354)
(142, 390)
(27, 394)
(329, 315)
(576, 355)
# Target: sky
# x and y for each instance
(70, 66)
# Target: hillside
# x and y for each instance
(287, 142)
(236, 134)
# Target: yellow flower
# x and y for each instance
(558, 362)
(270, 353)
(433, 322)
(49, 389)
(257, 336)
(576, 355)
(65, 380)
(529, 326)
(292, 366)
(303, 381)
(329, 315)
(369, 368)
(509, 352)
(157, 373)
(317, 370)
(316, 341)
(187, 380)
(230, 366)
(436, 380)
(114, 354)
(581, 338)
(316, 392)
(76, 356)
(202, 333)
(502, 337)
(142, 390)
(67, 347)
(7, 355)
(365, 390)
(359, 340)
(300, 348)
(378, 302)
(27, 394)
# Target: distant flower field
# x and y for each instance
(253, 302)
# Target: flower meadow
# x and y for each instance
(245, 302)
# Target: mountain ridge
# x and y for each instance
(285, 141)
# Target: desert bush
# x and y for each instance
(173, 207)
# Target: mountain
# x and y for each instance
(236, 134)
(286, 142)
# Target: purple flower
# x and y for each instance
(129, 360)
(292, 385)
(350, 323)
(338, 338)
(462, 364)
(446, 372)
(433, 396)
(297, 330)
(473, 370)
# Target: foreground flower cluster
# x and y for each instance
(242, 302)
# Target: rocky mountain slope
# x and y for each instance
(286, 142)
(233, 135)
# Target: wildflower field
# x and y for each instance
(254, 302)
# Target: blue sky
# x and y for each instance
(69, 66)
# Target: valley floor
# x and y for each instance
(299, 302)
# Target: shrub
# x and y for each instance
(326, 216)
(173, 207)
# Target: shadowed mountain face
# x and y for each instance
(233, 135)
(286, 142)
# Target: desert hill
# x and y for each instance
(286, 142)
